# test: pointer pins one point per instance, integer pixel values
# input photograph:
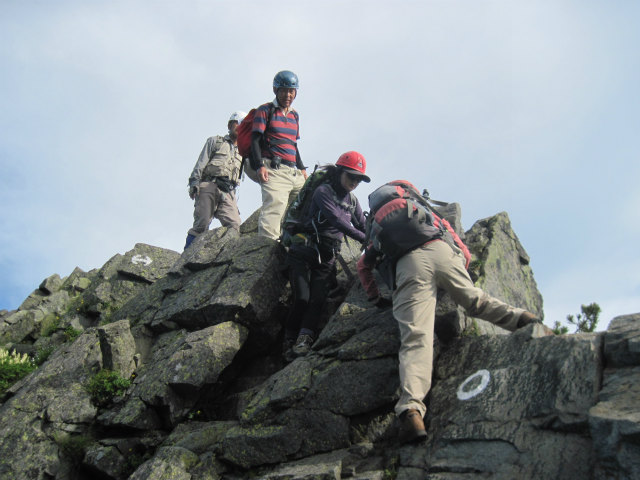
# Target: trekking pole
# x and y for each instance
(345, 267)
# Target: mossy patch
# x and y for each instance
(105, 385)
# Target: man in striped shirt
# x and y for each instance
(274, 153)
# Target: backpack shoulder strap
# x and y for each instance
(217, 143)
(352, 203)
(351, 206)
(271, 110)
(270, 113)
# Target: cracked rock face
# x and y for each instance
(199, 335)
(499, 400)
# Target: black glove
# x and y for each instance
(382, 302)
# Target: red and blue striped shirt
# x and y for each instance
(283, 133)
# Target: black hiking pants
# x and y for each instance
(310, 284)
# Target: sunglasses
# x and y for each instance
(354, 177)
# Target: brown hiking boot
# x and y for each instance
(412, 430)
(527, 318)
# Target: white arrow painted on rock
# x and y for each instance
(137, 259)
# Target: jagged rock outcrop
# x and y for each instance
(199, 336)
(500, 260)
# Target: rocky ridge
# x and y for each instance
(199, 335)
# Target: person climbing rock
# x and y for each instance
(334, 212)
(407, 244)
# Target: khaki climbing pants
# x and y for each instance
(419, 274)
(282, 187)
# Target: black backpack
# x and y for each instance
(400, 220)
(298, 211)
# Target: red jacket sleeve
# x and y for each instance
(365, 267)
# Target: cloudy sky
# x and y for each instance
(528, 107)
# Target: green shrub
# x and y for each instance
(70, 333)
(587, 321)
(105, 385)
(13, 366)
(559, 329)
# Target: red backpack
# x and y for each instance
(245, 128)
(244, 134)
(401, 219)
(244, 140)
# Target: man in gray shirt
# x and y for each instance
(214, 179)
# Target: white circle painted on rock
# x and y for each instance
(136, 259)
(484, 375)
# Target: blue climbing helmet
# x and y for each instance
(286, 79)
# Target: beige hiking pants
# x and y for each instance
(283, 185)
(418, 275)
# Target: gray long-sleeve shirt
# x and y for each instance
(221, 157)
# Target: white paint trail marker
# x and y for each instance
(137, 259)
(463, 394)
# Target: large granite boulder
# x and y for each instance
(19, 326)
(118, 348)
(219, 278)
(167, 387)
(78, 280)
(123, 277)
(502, 406)
(146, 263)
